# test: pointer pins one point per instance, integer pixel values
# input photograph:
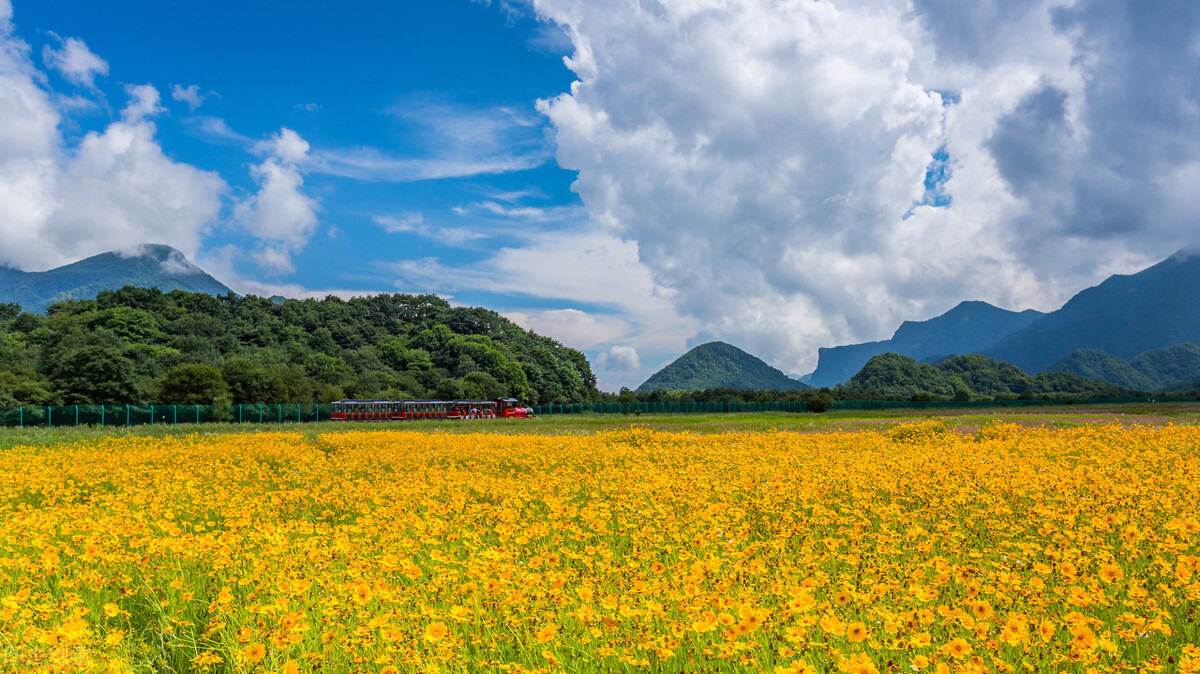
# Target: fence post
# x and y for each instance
(239, 413)
(77, 416)
(175, 413)
(260, 413)
(152, 415)
(102, 416)
(127, 415)
(49, 421)
(197, 414)
(279, 411)
(297, 412)
(21, 418)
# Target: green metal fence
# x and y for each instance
(668, 408)
(139, 415)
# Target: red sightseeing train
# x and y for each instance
(413, 410)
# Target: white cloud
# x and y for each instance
(74, 61)
(573, 327)
(114, 189)
(287, 146)
(190, 95)
(764, 154)
(144, 103)
(215, 129)
(597, 272)
(280, 213)
(457, 142)
(619, 359)
(414, 223)
(275, 260)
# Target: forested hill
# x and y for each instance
(971, 377)
(718, 365)
(147, 266)
(140, 345)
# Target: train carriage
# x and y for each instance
(416, 410)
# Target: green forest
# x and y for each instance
(891, 376)
(139, 345)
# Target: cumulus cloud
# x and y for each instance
(73, 60)
(594, 270)
(620, 360)
(771, 158)
(114, 188)
(280, 213)
(190, 95)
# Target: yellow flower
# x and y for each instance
(958, 648)
(254, 652)
(436, 631)
(546, 633)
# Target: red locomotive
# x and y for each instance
(414, 410)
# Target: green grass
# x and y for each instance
(1177, 413)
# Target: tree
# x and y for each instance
(91, 369)
(249, 382)
(193, 384)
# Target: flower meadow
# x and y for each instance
(911, 549)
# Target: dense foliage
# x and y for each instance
(717, 364)
(971, 377)
(139, 345)
(1102, 366)
(1172, 368)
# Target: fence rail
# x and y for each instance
(139, 415)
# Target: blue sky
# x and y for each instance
(391, 82)
(631, 178)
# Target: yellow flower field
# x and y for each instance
(914, 549)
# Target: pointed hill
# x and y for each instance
(718, 365)
(148, 266)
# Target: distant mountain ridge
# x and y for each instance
(1124, 316)
(718, 365)
(967, 328)
(149, 266)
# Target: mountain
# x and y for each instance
(718, 365)
(1124, 316)
(149, 266)
(969, 377)
(969, 327)
(1172, 368)
(1103, 366)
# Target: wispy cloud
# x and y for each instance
(217, 130)
(450, 142)
(414, 223)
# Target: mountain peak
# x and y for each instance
(718, 365)
(144, 266)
